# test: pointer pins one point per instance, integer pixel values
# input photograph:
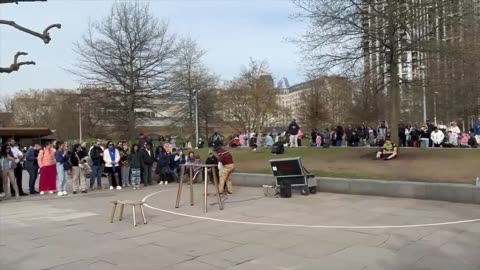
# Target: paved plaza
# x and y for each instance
(253, 232)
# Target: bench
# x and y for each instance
(291, 170)
(129, 203)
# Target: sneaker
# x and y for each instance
(74, 192)
(166, 182)
(134, 188)
(65, 193)
(119, 187)
(161, 183)
(60, 193)
(2, 194)
(51, 192)
(84, 191)
(42, 193)
(111, 187)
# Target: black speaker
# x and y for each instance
(285, 189)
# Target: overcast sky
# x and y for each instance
(230, 30)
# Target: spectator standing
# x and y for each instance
(79, 167)
(18, 168)
(371, 137)
(124, 166)
(430, 127)
(349, 135)
(47, 164)
(314, 135)
(402, 135)
(293, 129)
(31, 165)
(382, 132)
(437, 137)
(339, 136)
(61, 158)
(96, 156)
(148, 158)
(477, 127)
(163, 165)
(111, 157)
(135, 163)
(414, 134)
(7, 163)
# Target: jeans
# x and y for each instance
(96, 173)
(125, 174)
(338, 143)
(61, 178)
(135, 178)
(33, 173)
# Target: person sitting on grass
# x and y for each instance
(388, 151)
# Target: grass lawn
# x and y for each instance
(421, 165)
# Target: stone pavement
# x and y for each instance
(73, 232)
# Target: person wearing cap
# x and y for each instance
(388, 151)
(226, 160)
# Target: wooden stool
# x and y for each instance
(122, 205)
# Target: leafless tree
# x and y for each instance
(249, 102)
(345, 35)
(44, 36)
(131, 55)
(189, 78)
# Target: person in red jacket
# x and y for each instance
(226, 160)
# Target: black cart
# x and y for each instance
(292, 170)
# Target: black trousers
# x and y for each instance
(19, 176)
(147, 174)
(33, 173)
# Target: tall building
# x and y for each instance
(432, 35)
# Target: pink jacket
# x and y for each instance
(46, 158)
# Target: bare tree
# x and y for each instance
(250, 101)
(190, 77)
(370, 37)
(44, 36)
(131, 55)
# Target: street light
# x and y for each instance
(435, 107)
(422, 69)
(197, 135)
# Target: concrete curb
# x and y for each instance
(460, 193)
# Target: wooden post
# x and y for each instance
(121, 212)
(179, 192)
(113, 212)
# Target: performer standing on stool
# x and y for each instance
(226, 159)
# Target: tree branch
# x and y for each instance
(16, 65)
(45, 35)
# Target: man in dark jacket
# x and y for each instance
(147, 156)
(31, 165)
(212, 160)
(293, 129)
(96, 156)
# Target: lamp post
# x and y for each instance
(435, 107)
(422, 69)
(197, 135)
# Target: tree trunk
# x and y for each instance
(394, 76)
